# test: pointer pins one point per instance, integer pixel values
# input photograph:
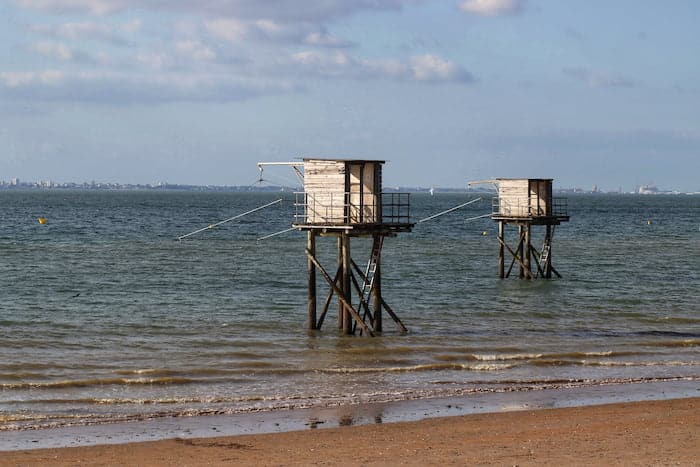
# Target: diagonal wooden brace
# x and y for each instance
(327, 303)
(339, 293)
(516, 256)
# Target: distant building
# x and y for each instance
(648, 190)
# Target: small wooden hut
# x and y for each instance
(526, 202)
(342, 192)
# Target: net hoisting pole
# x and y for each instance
(449, 210)
(211, 226)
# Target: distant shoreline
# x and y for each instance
(287, 189)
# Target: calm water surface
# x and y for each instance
(105, 316)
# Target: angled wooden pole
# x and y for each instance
(393, 316)
(327, 303)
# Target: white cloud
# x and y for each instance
(53, 49)
(282, 10)
(230, 29)
(240, 48)
(195, 50)
(123, 88)
(434, 69)
(89, 30)
(419, 68)
(323, 39)
(155, 60)
(492, 7)
(598, 80)
(29, 78)
(235, 30)
(95, 7)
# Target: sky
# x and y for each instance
(588, 92)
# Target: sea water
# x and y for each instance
(105, 316)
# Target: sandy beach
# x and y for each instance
(639, 433)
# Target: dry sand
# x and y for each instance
(639, 433)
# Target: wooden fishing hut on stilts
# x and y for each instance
(343, 199)
(527, 202)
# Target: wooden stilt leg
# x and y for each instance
(548, 262)
(521, 266)
(501, 258)
(377, 318)
(341, 308)
(311, 246)
(528, 252)
(347, 285)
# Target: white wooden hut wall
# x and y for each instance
(524, 197)
(324, 185)
(363, 192)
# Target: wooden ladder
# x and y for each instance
(370, 271)
(371, 268)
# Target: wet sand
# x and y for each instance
(638, 433)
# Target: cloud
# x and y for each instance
(235, 30)
(123, 89)
(15, 80)
(598, 80)
(323, 39)
(94, 7)
(418, 68)
(434, 69)
(53, 49)
(281, 10)
(195, 50)
(222, 50)
(493, 7)
(82, 31)
(62, 52)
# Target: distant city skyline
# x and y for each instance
(197, 92)
(270, 186)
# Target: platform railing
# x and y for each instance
(522, 207)
(351, 208)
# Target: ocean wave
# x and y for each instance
(423, 367)
(97, 382)
(611, 363)
(673, 344)
(254, 404)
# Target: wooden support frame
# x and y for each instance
(349, 280)
(340, 294)
(525, 253)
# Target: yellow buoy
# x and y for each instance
(42, 220)
(485, 233)
(649, 222)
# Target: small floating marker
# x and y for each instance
(42, 220)
(649, 222)
(485, 233)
